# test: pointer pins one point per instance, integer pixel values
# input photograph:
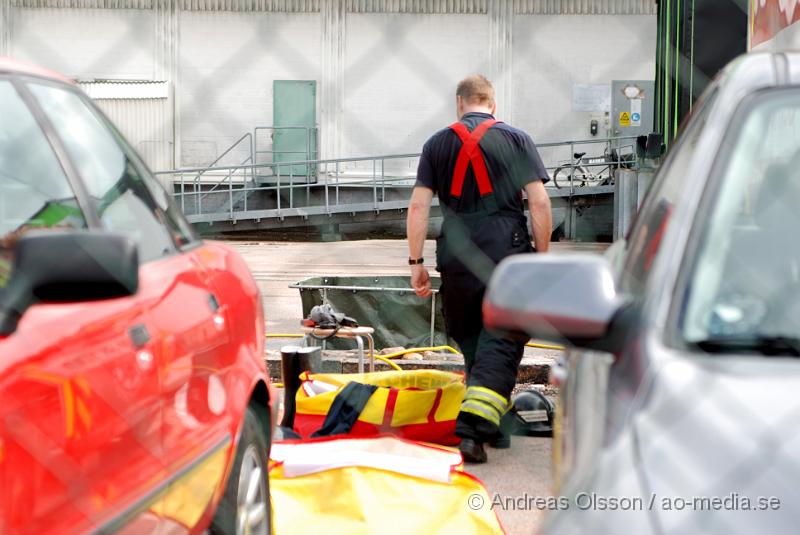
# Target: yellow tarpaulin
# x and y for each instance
(379, 498)
(415, 404)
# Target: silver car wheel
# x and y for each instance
(251, 500)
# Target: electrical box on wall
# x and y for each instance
(632, 107)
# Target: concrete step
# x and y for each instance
(532, 370)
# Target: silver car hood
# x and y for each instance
(713, 437)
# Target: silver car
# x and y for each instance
(680, 402)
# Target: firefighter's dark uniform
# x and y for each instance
(478, 168)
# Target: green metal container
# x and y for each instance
(387, 304)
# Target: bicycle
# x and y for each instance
(583, 176)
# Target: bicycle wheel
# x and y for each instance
(579, 176)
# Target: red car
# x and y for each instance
(133, 392)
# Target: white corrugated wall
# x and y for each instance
(5, 27)
(274, 6)
(465, 7)
(228, 62)
(84, 4)
(147, 125)
(86, 44)
(585, 7)
(386, 69)
(400, 76)
(622, 48)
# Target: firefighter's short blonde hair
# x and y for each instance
(476, 89)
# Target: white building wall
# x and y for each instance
(142, 113)
(86, 43)
(388, 86)
(228, 61)
(146, 125)
(552, 53)
(401, 74)
(5, 27)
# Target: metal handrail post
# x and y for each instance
(374, 185)
(571, 191)
(253, 152)
(337, 183)
(245, 189)
(183, 195)
(278, 191)
(327, 200)
(308, 145)
(246, 192)
(252, 168)
(383, 180)
(230, 193)
(291, 185)
(308, 187)
(433, 316)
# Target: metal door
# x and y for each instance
(294, 119)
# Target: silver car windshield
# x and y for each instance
(746, 280)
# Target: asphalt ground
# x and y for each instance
(512, 476)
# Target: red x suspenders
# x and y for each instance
(471, 153)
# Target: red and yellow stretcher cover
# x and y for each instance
(383, 485)
(414, 404)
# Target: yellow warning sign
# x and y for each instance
(624, 118)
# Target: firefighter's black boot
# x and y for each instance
(472, 451)
(503, 440)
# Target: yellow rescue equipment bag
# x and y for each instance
(414, 404)
(386, 485)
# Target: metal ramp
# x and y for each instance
(267, 196)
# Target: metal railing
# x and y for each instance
(276, 156)
(332, 178)
(322, 193)
(242, 170)
(210, 167)
(616, 153)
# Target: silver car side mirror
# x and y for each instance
(558, 297)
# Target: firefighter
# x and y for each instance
(478, 168)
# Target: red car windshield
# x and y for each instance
(34, 192)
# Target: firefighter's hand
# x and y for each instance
(421, 281)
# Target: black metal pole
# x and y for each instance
(294, 361)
